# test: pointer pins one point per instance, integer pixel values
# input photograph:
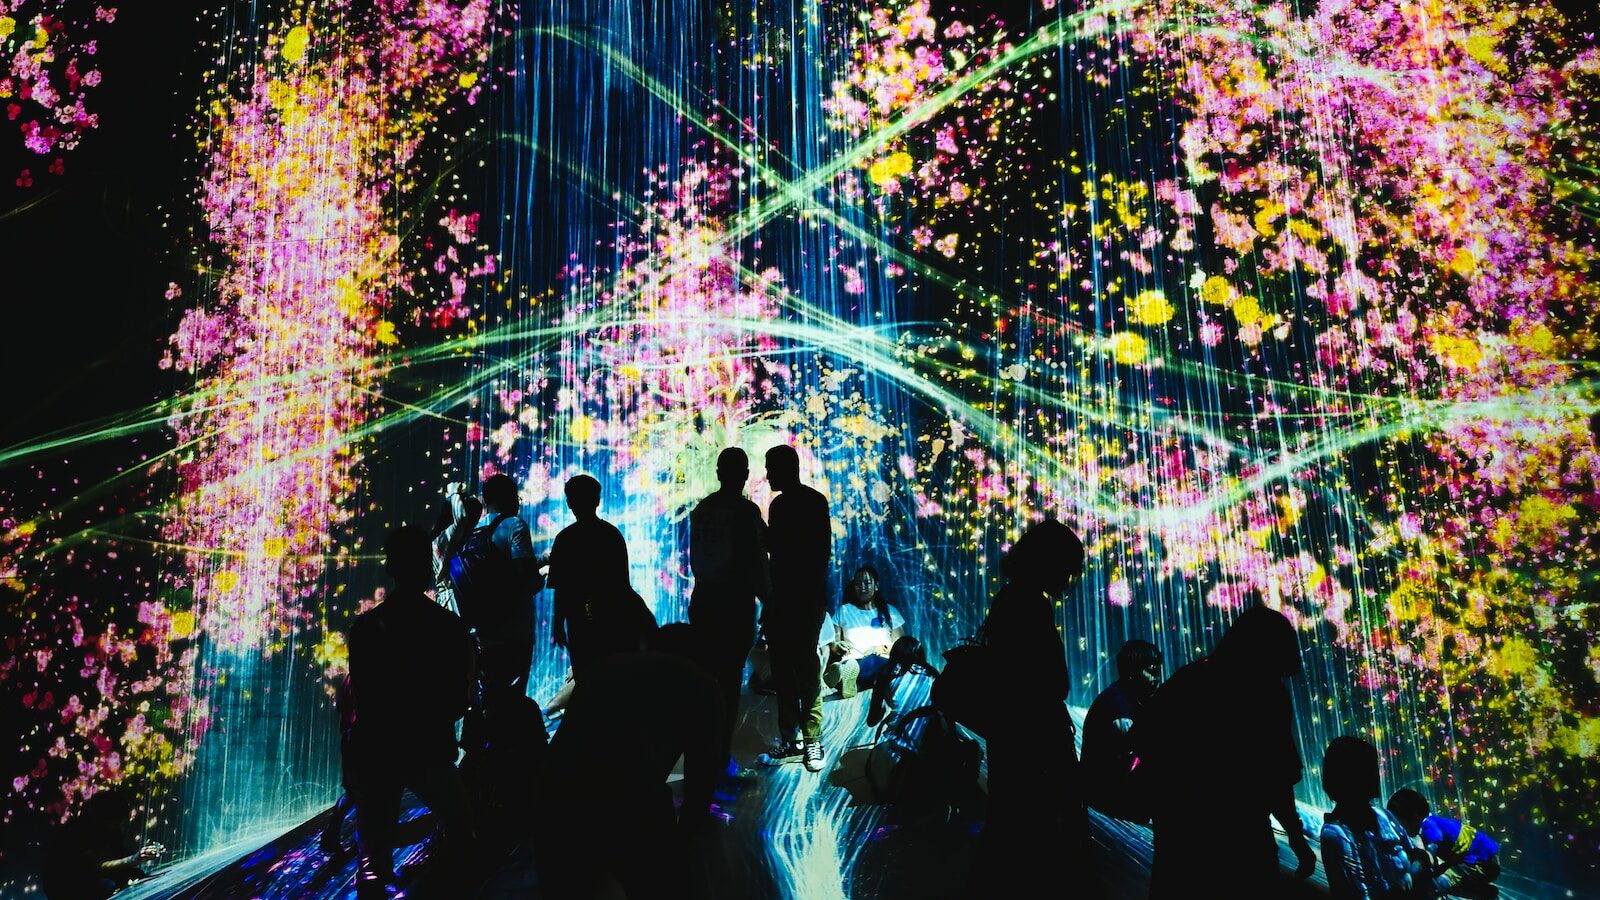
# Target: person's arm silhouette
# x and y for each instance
(1288, 815)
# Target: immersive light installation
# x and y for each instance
(1277, 302)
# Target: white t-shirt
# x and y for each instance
(866, 631)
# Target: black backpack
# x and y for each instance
(965, 687)
(482, 575)
(926, 762)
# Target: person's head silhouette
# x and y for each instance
(1047, 557)
(1139, 666)
(1350, 772)
(1411, 808)
(500, 494)
(408, 558)
(1261, 642)
(733, 469)
(108, 808)
(783, 468)
(583, 495)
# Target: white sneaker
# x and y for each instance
(813, 756)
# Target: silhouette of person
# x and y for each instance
(810, 718)
(1218, 739)
(457, 518)
(1364, 848)
(505, 634)
(728, 555)
(1108, 757)
(589, 575)
(411, 664)
(90, 857)
(1036, 818)
(1464, 861)
(606, 805)
(800, 535)
(331, 841)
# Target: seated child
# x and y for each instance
(1363, 847)
(1465, 860)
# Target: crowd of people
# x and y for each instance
(436, 701)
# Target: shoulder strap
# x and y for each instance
(495, 522)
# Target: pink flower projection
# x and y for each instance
(49, 73)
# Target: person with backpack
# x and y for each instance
(596, 610)
(1364, 848)
(1217, 743)
(728, 556)
(456, 521)
(1037, 821)
(495, 575)
(605, 798)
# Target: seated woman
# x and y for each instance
(871, 649)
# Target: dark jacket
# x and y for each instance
(410, 673)
(800, 536)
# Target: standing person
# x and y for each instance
(594, 606)
(1037, 819)
(90, 857)
(411, 664)
(800, 532)
(1112, 784)
(811, 717)
(496, 575)
(1219, 741)
(457, 519)
(605, 805)
(728, 555)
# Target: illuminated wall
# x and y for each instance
(1277, 301)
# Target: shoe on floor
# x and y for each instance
(784, 752)
(813, 756)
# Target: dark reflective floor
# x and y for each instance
(784, 833)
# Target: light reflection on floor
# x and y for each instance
(786, 833)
